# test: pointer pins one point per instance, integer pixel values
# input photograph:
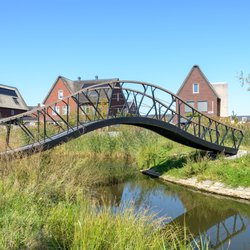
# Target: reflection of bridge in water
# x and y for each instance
(216, 219)
(143, 104)
(213, 218)
(218, 227)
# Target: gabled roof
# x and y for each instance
(202, 74)
(74, 86)
(66, 82)
(11, 98)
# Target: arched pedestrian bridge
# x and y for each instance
(116, 102)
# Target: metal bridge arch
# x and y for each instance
(117, 102)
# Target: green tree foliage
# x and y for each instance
(245, 80)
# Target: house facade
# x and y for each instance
(198, 92)
(11, 102)
(63, 87)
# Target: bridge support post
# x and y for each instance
(179, 114)
(77, 111)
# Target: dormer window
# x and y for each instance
(15, 101)
(195, 88)
(60, 94)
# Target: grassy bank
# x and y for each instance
(233, 173)
(198, 164)
(46, 201)
(148, 149)
(125, 142)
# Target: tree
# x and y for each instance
(245, 80)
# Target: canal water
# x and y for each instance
(225, 222)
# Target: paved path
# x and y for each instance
(207, 185)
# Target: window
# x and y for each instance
(202, 106)
(9, 92)
(65, 109)
(195, 88)
(118, 97)
(187, 109)
(60, 94)
(12, 112)
(15, 100)
(56, 109)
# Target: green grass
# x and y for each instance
(46, 200)
(27, 222)
(234, 173)
(187, 163)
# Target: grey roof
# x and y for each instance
(75, 86)
(11, 98)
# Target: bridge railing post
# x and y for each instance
(38, 125)
(77, 111)
(217, 133)
(44, 125)
(179, 113)
(199, 126)
(68, 114)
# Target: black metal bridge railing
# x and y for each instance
(128, 102)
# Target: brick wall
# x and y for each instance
(205, 93)
(53, 97)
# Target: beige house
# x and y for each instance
(221, 89)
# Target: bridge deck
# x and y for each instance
(165, 129)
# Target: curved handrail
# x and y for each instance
(112, 85)
(97, 86)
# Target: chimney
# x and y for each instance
(96, 77)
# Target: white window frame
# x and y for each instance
(12, 112)
(118, 97)
(198, 88)
(60, 94)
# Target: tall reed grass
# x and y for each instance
(46, 199)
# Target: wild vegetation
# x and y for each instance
(233, 173)
(46, 200)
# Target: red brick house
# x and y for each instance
(11, 102)
(198, 92)
(63, 87)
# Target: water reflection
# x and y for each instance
(225, 222)
(211, 224)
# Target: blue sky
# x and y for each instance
(157, 41)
